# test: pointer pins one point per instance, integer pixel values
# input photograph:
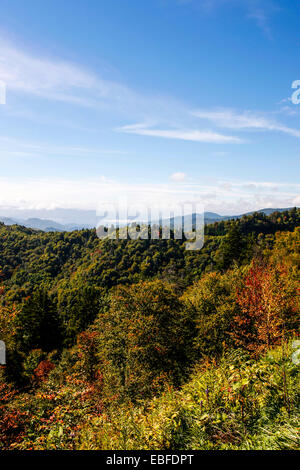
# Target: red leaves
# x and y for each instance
(12, 422)
(263, 301)
(43, 370)
(12, 428)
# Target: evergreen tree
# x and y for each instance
(78, 308)
(39, 324)
(231, 248)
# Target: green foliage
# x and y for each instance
(119, 344)
(141, 340)
(66, 260)
(38, 323)
(31, 362)
(78, 307)
(210, 306)
(235, 404)
(231, 248)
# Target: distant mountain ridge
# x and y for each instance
(211, 217)
(44, 224)
(48, 225)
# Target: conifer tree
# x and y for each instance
(231, 247)
(39, 324)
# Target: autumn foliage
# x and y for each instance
(42, 371)
(267, 308)
(139, 345)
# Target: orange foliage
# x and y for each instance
(43, 370)
(266, 301)
(12, 421)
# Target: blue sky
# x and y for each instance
(159, 99)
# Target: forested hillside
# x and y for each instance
(123, 344)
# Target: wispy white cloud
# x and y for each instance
(60, 80)
(194, 135)
(165, 117)
(24, 72)
(10, 147)
(247, 120)
(259, 11)
(261, 17)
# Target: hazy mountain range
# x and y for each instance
(44, 224)
(48, 225)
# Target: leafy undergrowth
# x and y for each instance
(239, 403)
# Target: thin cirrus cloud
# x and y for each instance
(62, 81)
(26, 73)
(69, 83)
(247, 120)
(10, 147)
(259, 11)
(194, 135)
(58, 80)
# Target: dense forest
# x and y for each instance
(142, 344)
